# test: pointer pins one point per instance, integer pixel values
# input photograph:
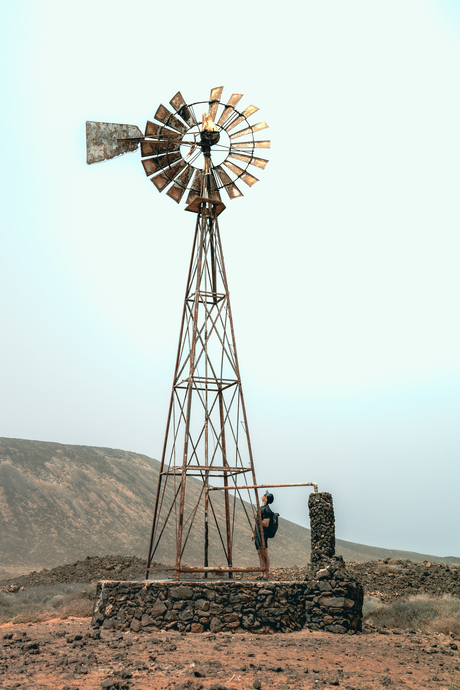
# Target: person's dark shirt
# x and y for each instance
(265, 512)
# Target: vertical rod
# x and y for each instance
(171, 402)
(206, 434)
(225, 464)
(213, 260)
(243, 406)
(202, 222)
(206, 525)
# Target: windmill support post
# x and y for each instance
(206, 404)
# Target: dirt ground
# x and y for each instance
(69, 655)
(66, 655)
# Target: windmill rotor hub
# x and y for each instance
(208, 139)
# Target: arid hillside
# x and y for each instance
(60, 503)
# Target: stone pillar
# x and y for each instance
(322, 525)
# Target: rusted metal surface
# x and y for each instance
(164, 115)
(149, 166)
(244, 116)
(214, 99)
(152, 129)
(249, 130)
(200, 469)
(261, 486)
(195, 190)
(229, 108)
(154, 148)
(209, 569)
(177, 189)
(229, 186)
(213, 193)
(102, 140)
(162, 179)
(196, 206)
(161, 162)
(249, 160)
(182, 109)
(241, 174)
(251, 145)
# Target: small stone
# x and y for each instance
(215, 624)
(135, 625)
(146, 620)
(158, 609)
(181, 592)
(197, 628)
(187, 614)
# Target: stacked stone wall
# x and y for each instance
(322, 525)
(201, 606)
(334, 601)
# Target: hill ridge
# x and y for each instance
(61, 502)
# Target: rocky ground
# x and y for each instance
(393, 578)
(68, 654)
(388, 580)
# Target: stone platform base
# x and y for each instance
(199, 606)
(203, 605)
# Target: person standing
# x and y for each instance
(266, 516)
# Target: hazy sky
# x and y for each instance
(343, 261)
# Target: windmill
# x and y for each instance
(194, 150)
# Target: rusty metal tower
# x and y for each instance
(192, 150)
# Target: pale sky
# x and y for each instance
(342, 261)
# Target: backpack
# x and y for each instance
(273, 526)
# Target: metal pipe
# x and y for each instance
(202, 569)
(260, 486)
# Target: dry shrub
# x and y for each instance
(77, 608)
(386, 568)
(42, 603)
(370, 603)
(423, 611)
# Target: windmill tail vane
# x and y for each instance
(199, 149)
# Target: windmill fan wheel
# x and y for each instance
(193, 149)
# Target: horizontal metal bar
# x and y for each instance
(260, 486)
(163, 139)
(210, 383)
(177, 470)
(209, 569)
(206, 297)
